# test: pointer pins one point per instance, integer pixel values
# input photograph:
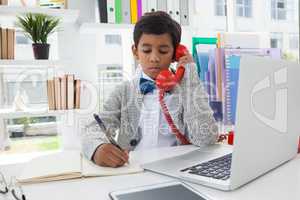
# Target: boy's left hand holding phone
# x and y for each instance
(186, 59)
(109, 154)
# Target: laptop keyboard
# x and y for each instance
(218, 168)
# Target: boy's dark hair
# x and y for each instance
(157, 23)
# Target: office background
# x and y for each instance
(99, 54)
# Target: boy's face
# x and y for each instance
(154, 53)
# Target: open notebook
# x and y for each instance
(69, 165)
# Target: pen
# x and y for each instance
(107, 134)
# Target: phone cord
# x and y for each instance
(168, 118)
(178, 134)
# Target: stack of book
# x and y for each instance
(64, 92)
(3, 2)
(7, 43)
(129, 11)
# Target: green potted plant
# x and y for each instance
(38, 27)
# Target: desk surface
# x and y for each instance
(281, 183)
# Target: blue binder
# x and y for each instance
(232, 78)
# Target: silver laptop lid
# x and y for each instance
(267, 120)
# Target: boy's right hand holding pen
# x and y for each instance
(108, 155)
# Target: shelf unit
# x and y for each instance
(69, 26)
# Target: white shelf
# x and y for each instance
(10, 113)
(33, 63)
(67, 15)
(91, 28)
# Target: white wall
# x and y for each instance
(206, 23)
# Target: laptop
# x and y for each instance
(266, 130)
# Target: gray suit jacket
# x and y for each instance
(189, 109)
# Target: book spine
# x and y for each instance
(10, 44)
(4, 2)
(4, 43)
(77, 93)
(212, 77)
(51, 94)
(70, 91)
(57, 82)
(1, 43)
(63, 89)
(218, 72)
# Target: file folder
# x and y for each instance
(144, 6)
(102, 7)
(176, 8)
(162, 5)
(118, 11)
(152, 5)
(126, 17)
(133, 11)
(170, 8)
(173, 9)
(184, 12)
(139, 8)
(111, 18)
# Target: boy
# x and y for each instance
(137, 113)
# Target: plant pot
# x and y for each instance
(41, 51)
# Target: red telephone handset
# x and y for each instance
(166, 80)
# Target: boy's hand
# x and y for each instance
(108, 155)
(188, 58)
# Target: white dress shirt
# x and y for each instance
(155, 129)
